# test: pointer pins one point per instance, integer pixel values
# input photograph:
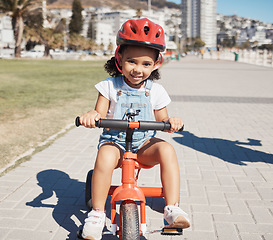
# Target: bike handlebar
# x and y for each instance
(124, 124)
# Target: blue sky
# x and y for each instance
(256, 9)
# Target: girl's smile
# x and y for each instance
(137, 64)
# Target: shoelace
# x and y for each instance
(94, 218)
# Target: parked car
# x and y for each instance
(32, 54)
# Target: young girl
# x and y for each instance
(132, 72)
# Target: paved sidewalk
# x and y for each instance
(225, 157)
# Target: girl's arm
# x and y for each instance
(162, 115)
(88, 119)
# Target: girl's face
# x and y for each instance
(137, 64)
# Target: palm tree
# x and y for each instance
(51, 38)
(19, 10)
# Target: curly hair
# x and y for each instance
(111, 68)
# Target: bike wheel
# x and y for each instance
(88, 190)
(130, 220)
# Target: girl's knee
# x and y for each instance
(108, 158)
(167, 154)
(166, 149)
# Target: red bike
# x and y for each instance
(129, 193)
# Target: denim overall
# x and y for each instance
(138, 100)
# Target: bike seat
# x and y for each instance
(139, 166)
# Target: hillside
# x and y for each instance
(116, 4)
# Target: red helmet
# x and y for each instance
(142, 32)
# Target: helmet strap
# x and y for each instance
(117, 59)
(160, 63)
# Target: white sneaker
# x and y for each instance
(176, 217)
(94, 224)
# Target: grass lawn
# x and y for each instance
(38, 98)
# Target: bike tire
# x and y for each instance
(130, 220)
(88, 190)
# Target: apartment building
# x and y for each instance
(199, 20)
(7, 42)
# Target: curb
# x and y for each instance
(32, 150)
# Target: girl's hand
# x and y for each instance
(88, 119)
(176, 124)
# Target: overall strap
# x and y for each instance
(148, 87)
(118, 82)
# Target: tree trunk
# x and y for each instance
(46, 52)
(18, 28)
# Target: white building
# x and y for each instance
(105, 26)
(242, 38)
(199, 20)
(7, 42)
(260, 37)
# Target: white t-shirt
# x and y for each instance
(158, 95)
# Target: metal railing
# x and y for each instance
(257, 57)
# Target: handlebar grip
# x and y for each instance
(162, 126)
(112, 124)
(181, 129)
(77, 121)
(146, 125)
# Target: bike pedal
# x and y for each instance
(172, 231)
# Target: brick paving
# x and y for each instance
(225, 157)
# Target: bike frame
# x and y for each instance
(130, 191)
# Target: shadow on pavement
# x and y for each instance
(70, 201)
(68, 192)
(227, 150)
